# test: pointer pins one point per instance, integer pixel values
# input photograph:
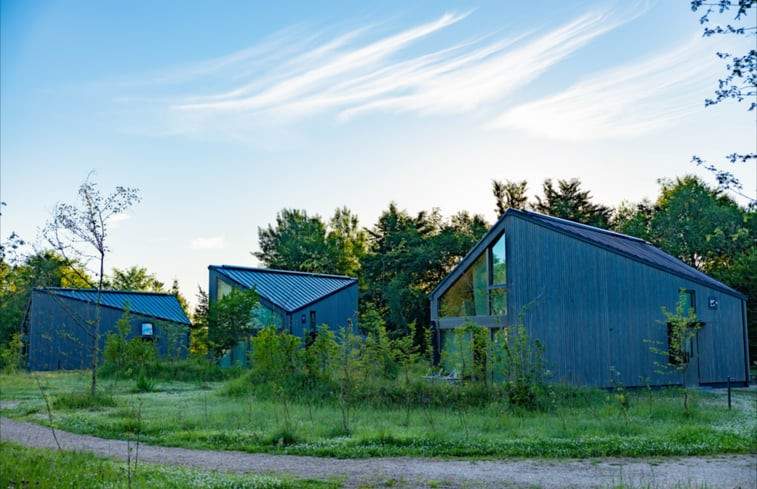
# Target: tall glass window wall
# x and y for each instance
(482, 289)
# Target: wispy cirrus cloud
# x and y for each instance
(624, 102)
(420, 69)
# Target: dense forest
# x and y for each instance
(402, 257)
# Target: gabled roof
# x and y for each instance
(622, 244)
(158, 305)
(290, 291)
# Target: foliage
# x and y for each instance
(407, 258)
(580, 422)
(198, 338)
(20, 274)
(739, 83)
(520, 361)
(681, 326)
(568, 201)
(699, 225)
(304, 243)
(11, 358)
(81, 230)
(509, 194)
(134, 278)
(229, 320)
(706, 229)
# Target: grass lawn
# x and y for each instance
(580, 422)
(22, 467)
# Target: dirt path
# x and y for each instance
(737, 471)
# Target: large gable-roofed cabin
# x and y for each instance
(58, 325)
(593, 298)
(296, 302)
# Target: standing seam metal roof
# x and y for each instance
(155, 304)
(289, 290)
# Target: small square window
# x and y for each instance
(147, 330)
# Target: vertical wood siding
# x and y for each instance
(594, 309)
(58, 332)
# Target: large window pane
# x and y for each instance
(467, 296)
(498, 301)
(262, 317)
(499, 265)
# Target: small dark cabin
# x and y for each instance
(593, 298)
(57, 328)
(296, 302)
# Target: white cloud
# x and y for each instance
(623, 102)
(209, 243)
(345, 75)
(116, 219)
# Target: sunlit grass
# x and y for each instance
(580, 422)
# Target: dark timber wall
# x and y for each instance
(595, 309)
(59, 332)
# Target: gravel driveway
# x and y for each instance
(731, 471)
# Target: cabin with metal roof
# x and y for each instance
(594, 300)
(296, 302)
(58, 328)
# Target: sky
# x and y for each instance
(224, 113)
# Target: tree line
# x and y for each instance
(402, 257)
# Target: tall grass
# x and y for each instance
(33, 468)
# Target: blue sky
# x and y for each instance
(223, 113)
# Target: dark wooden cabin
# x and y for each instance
(594, 299)
(295, 302)
(59, 324)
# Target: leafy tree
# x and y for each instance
(633, 219)
(20, 274)
(568, 201)
(229, 320)
(135, 278)
(407, 258)
(347, 240)
(698, 224)
(509, 194)
(682, 326)
(303, 243)
(740, 81)
(705, 228)
(198, 340)
(81, 231)
(297, 242)
(179, 297)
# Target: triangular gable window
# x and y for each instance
(482, 289)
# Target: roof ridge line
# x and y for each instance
(279, 271)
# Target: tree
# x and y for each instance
(739, 83)
(81, 230)
(179, 297)
(509, 194)
(568, 201)
(20, 274)
(229, 320)
(705, 228)
(198, 341)
(406, 259)
(698, 224)
(682, 326)
(347, 241)
(297, 242)
(135, 278)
